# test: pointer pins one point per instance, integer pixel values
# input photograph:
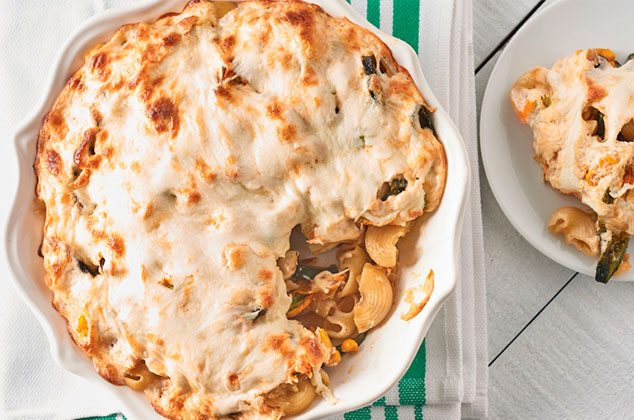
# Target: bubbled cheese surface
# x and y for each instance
(173, 167)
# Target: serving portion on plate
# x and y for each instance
(173, 168)
(582, 119)
(506, 145)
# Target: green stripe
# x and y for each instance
(406, 15)
(110, 417)
(374, 12)
(418, 412)
(380, 402)
(361, 414)
(411, 389)
(391, 412)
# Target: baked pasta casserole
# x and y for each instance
(582, 119)
(174, 166)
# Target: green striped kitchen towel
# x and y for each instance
(447, 379)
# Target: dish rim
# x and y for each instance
(67, 60)
(566, 255)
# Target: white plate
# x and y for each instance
(506, 144)
(361, 378)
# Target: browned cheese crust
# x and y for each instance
(174, 165)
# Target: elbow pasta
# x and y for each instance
(292, 398)
(380, 242)
(577, 227)
(139, 377)
(353, 261)
(376, 298)
(340, 304)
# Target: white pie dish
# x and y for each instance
(505, 143)
(388, 351)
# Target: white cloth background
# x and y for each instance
(33, 387)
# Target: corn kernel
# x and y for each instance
(334, 359)
(325, 338)
(605, 53)
(349, 346)
(82, 326)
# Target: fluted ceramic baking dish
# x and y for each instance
(360, 378)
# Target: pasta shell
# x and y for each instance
(380, 242)
(292, 398)
(577, 227)
(340, 323)
(353, 261)
(140, 377)
(376, 298)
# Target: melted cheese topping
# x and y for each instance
(173, 167)
(575, 158)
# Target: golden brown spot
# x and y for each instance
(265, 275)
(117, 244)
(154, 53)
(86, 148)
(286, 133)
(398, 87)
(310, 77)
(188, 22)
(232, 173)
(235, 256)
(99, 64)
(223, 92)
(135, 167)
(149, 211)
(57, 269)
(55, 119)
(164, 115)
(204, 171)
(56, 122)
(265, 299)
(595, 92)
(227, 44)
(76, 82)
(275, 110)
(233, 382)
(82, 180)
(304, 20)
(167, 15)
(53, 162)
(107, 152)
(299, 17)
(278, 343)
(193, 197)
(95, 114)
(265, 36)
(415, 213)
(171, 39)
(311, 346)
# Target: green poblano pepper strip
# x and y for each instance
(612, 257)
(397, 186)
